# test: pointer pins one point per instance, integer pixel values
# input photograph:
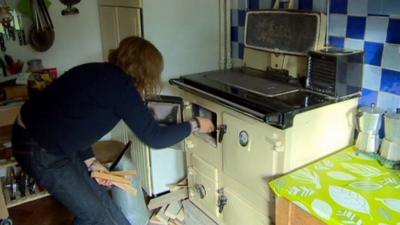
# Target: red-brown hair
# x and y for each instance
(141, 60)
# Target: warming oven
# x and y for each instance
(268, 122)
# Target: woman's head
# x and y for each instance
(141, 60)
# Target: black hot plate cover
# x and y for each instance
(252, 93)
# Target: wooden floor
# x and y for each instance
(45, 211)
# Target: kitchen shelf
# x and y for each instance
(21, 200)
(18, 198)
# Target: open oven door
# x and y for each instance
(163, 166)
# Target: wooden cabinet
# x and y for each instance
(287, 213)
(118, 20)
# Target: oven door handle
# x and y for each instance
(221, 132)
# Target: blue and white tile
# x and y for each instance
(390, 81)
(338, 6)
(375, 7)
(241, 50)
(391, 57)
(368, 97)
(373, 53)
(393, 32)
(372, 77)
(243, 4)
(235, 50)
(356, 27)
(241, 34)
(384, 7)
(305, 5)
(234, 4)
(357, 8)
(265, 4)
(241, 17)
(337, 25)
(320, 5)
(336, 41)
(234, 17)
(355, 44)
(388, 101)
(234, 34)
(376, 28)
(253, 4)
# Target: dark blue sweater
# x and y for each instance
(87, 102)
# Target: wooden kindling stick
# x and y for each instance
(117, 179)
(124, 173)
(108, 176)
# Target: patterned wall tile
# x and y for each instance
(320, 5)
(355, 27)
(393, 34)
(357, 8)
(376, 28)
(391, 57)
(336, 41)
(265, 4)
(388, 101)
(390, 81)
(337, 25)
(384, 7)
(305, 4)
(368, 97)
(338, 6)
(373, 53)
(372, 77)
(354, 44)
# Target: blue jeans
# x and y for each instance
(68, 180)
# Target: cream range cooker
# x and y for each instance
(268, 124)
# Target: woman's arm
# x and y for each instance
(132, 110)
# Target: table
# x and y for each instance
(344, 188)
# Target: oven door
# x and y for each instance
(167, 110)
(203, 158)
(249, 160)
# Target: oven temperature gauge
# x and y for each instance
(243, 138)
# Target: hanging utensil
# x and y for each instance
(21, 36)
(46, 14)
(2, 34)
(41, 33)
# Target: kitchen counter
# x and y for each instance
(344, 188)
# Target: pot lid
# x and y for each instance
(393, 115)
(371, 109)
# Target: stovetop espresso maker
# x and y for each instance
(369, 121)
(390, 148)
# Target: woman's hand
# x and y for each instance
(93, 165)
(206, 125)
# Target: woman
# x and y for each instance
(55, 129)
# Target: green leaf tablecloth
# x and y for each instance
(344, 189)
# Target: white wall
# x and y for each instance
(186, 32)
(77, 38)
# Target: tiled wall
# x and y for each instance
(371, 25)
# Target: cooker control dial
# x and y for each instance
(243, 138)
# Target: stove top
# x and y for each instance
(254, 94)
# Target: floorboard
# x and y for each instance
(45, 211)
